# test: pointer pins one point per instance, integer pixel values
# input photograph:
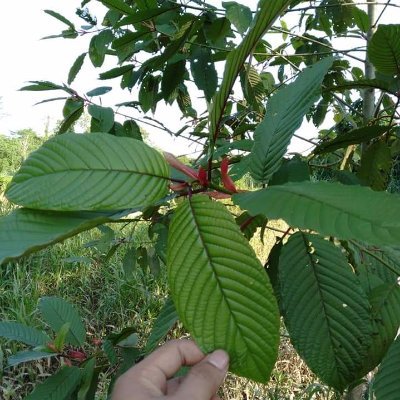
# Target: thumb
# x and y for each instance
(204, 378)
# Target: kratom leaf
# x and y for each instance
(76, 67)
(57, 312)
(386, 384)
(356, 136)
(249, 224)
(67, 173)
(110, 352)
(293, 170)
(61, 18)
(220, 290)
(99, 91)
(173, 75)
(376, 165)
(362, 84)
(25, 231)
(285, 113)
(88, 376)
(119, 5)
(265, 17)
(330, 209)
(239, 15)
(325, 311)
(27, 356)
(163, 324)
(384, 49)
(115, 72)
(38, 86)
(23, 333)
(59, 386)
(102, 118)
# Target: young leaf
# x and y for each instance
(61, 336)
(332, 209)
(99, 91)
(384, 49)
(23, 333)
(59, 386)
(66, 174)
(39, 86)
(386, 384)
(163, 324)
(76, 67)
(220, 290)
(24, 231)
(285, 113)
(58, 312)
(72, 111)
(115, 72)
(325, 311)
(27, 356)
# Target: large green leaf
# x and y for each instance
(163, 324)
(285, 113)
(57, 312)
(25, 231)
(356, 136)
(325, 311)
(27, 356)
(220, 290)
(376, 165)
(90, 172)
(386, 384)
(23, 333)
(384, 49)
(331, 209)
(268, 12)
(59, 386)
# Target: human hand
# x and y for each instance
(151, 378)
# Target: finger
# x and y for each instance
(173, 385)
(204, 379)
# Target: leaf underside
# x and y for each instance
(91, 172)
(220, 290)
(325, 311)
(331, 209)
(23, 333)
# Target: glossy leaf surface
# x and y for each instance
(219, 288)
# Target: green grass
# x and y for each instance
(108, 301)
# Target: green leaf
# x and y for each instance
(384, 49)
(98, 47)
(61, 336)
(265, 17)
(99, 91)
(24, 231)
(356, 136)
(115, 72)
(239, 15)
(27, 356)
(362, 84)
(129, 262)
(361, 19)
(163, 324)
(325, 311)
(249, 224)
(376, 165)
(59, 386)
(89, 377)
(293, 170)
(90, 172)
(72, 111)
(76, 67)
(204, 73)
(58, 312)
(102, 118)
(130, 129)
(110, 352)
(172, 77)
(119, 5)
(330, 209)
(220, 290)
(61, 18)
(386, 384)
(23, 333)
(39, 86)
(285, 113)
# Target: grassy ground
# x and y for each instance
(109, 301)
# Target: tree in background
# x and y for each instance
(333, 275)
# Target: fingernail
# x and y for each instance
(219, 359)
